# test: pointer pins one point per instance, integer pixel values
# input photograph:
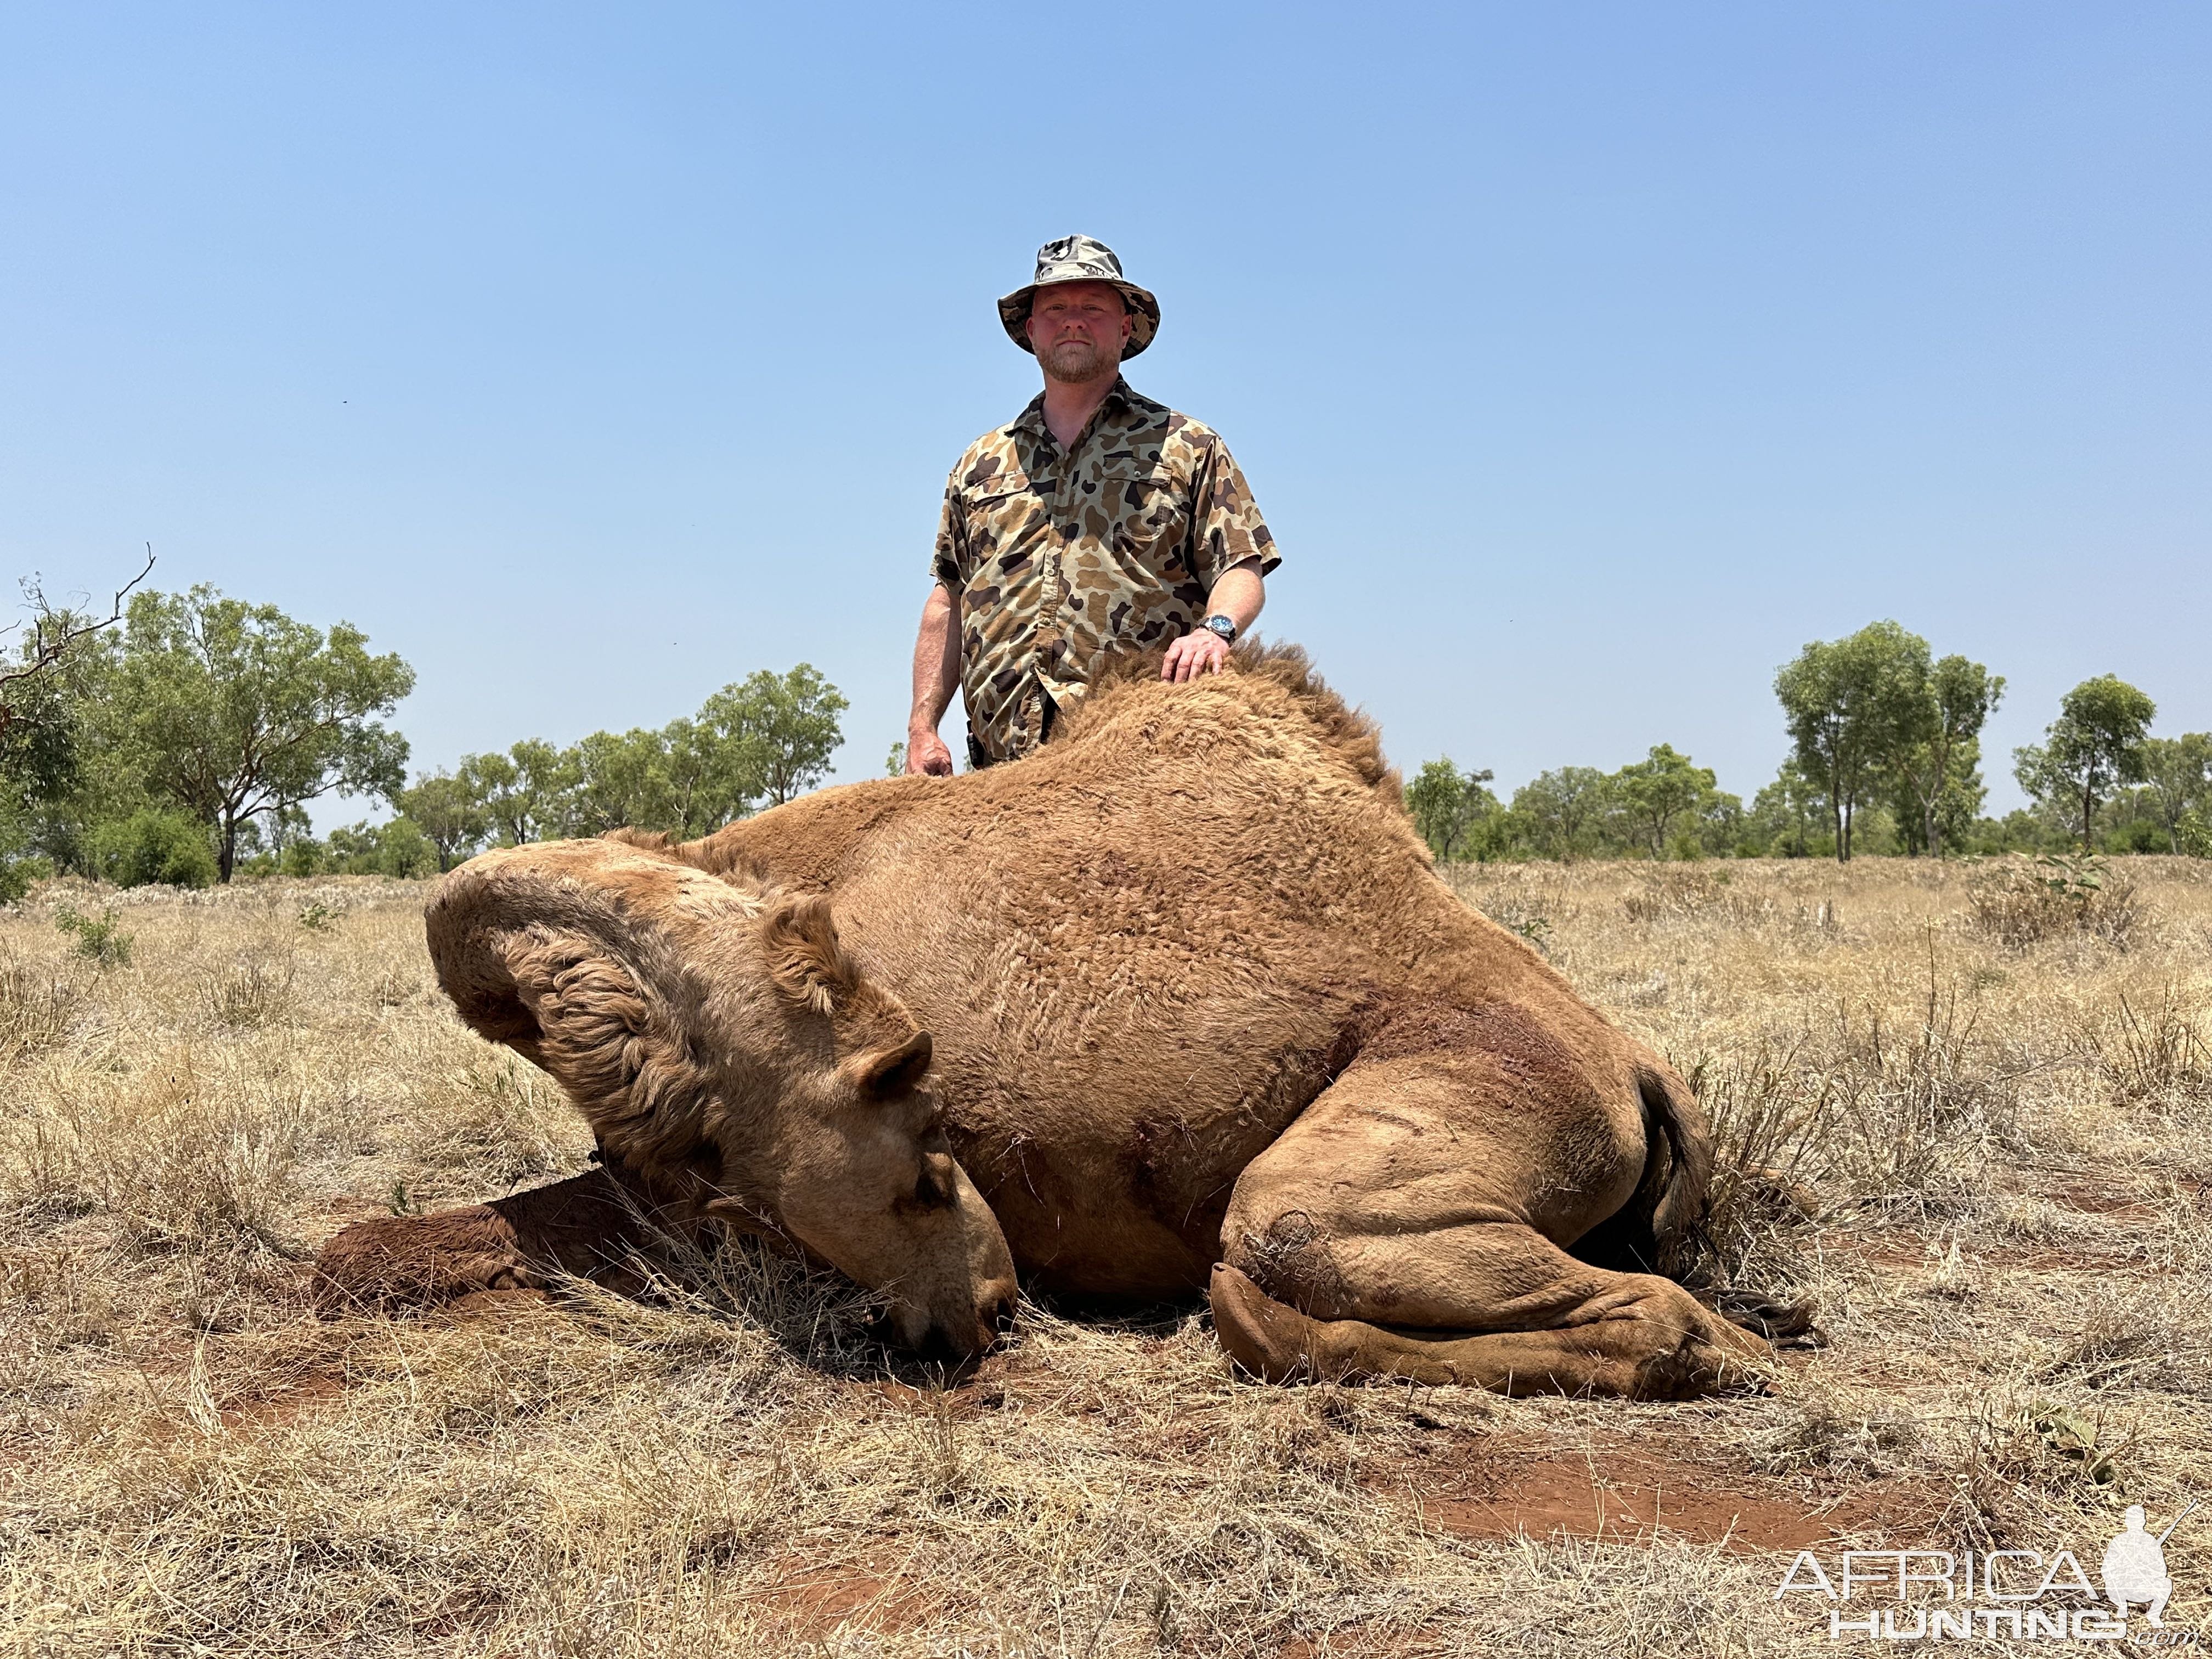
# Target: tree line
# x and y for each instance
(1885, 756)
(183, 738)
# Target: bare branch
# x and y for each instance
(51, 636)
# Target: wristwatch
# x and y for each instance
(1222, 626)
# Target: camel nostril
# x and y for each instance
(1002, 1315)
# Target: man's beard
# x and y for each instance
(1077, 363)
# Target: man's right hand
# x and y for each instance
(925, 753)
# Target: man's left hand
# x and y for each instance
(1200, 652)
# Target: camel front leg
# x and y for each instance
(1388, 1232)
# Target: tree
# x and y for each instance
(1652, 794)
(1938, 754)
(61, 659)
(784, 728)
(1782, 812)
(526, 792)
(1564, 811)
(2093, 747)
(56, 634)
(449, 814)
(622, 781)
(1851, 705)
(2178, 780)
(233, 710)
(1446, 803)
(713, 771)
(396, 846)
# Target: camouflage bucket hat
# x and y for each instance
(1081, 259)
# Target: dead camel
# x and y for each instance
(1201, 1013)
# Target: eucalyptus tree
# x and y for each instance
(1852, 706)
(2093, 747)
(233, 710)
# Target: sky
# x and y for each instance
(1586, 360)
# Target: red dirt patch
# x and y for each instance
(816, 1599)
(2084, 1201)
(287, 1405)
(1627, 1492)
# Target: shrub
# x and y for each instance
(154, 844)
(16, 875)
(98, 938)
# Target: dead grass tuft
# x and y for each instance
(2019, 901)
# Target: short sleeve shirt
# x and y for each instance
(1063, 558)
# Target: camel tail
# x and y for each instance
(1680, 1177)
(1660, 1224)
(1651, 1233)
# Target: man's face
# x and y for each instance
(1078, 330)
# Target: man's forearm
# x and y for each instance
(936, 659)
(1238, 594)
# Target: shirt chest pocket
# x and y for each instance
(1151, 524)
(1003, 516)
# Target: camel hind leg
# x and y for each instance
(1412, 1222)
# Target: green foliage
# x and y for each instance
(154, 844)
(1936, 764)
(524, 791)
(16, 875)
(1562, 814)
(98, 938)
(232, 710)
(1854, 707)
(1787, 816)
(1656, 795)
(2177, 793)
(2095, 745)
(2019, 904)
(759, 742)
(451, 817)
(397, 847)
(783, 729)
(894, 764)
(1447, 804)
(188, 744)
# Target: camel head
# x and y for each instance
(721, 1041)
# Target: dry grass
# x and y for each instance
(1985, 1158)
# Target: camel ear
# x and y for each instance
(804, 960)
(556, 969)
(892, 1073)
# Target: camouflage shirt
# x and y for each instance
(1063, 557)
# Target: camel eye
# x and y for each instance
(932, 1188)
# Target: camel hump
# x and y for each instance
(1267, 672)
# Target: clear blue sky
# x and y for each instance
(1586, 359)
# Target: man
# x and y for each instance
(1098, 522)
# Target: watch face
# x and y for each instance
(1222, 626)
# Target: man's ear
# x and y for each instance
(890, 1073)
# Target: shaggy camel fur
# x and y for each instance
(1203, 1014)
